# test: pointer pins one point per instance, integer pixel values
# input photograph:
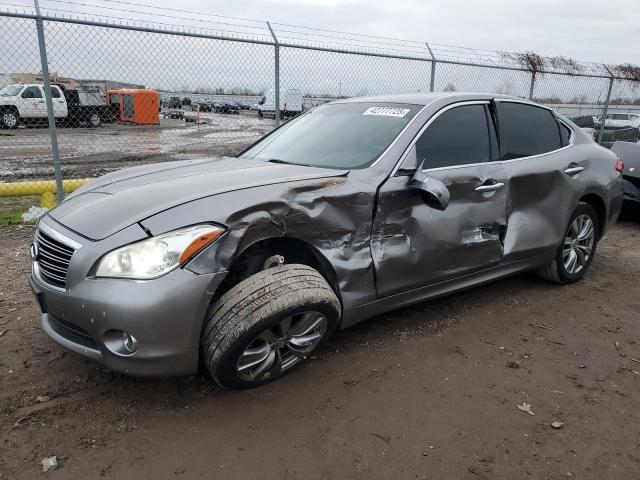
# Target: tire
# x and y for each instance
(9, 119)
(556, 271)
(245, 319)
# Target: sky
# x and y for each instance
(599, 31)
(603, 32)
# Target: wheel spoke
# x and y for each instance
(252, 357)
(570, 263)
(306, 324)
(586, 233)
(265, 366)
(277, 364)
(302, 341)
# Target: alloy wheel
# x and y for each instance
(9, 119)
(578, 244)
(282, 346)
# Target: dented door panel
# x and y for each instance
(414, 244)
(541, 199)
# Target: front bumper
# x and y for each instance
(165, 315)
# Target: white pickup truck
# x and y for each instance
(25, 103)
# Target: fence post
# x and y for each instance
(433, 68)
(606, 105)
(533, 84)
(53, 133)
(277, 79)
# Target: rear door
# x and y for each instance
(59, 102)
(414, 244)
(543, 174)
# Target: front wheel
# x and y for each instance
(573, 257)
(268, 324)
(9, 119)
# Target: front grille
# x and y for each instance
(72, 332)
(53, 259)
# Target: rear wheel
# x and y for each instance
(95, 120)
(9, 119)
(268, 324)
(573, 257)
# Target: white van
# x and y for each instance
(290, 103)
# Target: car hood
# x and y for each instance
(110, 203)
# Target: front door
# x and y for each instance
(32, 103)
(414, 243)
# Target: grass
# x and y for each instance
(12, 208)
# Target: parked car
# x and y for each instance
(186, 101)
(225, 107)
(173, 102)
(26, 104)
(205, 106)
(243, 105)
(629, 153)
(245, 264)
(620, 120)
(609, 136)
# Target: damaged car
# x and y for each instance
(244, 265)
(629, 153)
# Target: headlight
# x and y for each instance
(155, 256)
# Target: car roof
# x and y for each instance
(427, 98)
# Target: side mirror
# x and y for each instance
(433, 191)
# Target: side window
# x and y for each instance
(55, 93)
(526, 130)
(32, 92)
(565, 134)
(457, 137)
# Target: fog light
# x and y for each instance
(120, 342)
(129, 341)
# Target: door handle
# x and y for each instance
(573, 169)
(490, 187)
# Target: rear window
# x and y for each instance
(565, 134)
(526, 130)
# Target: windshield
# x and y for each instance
(339, 135)
(10, 90)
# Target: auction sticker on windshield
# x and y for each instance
(387, 111)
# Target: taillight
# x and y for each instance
(619, 165)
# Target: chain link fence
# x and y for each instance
(114, 94)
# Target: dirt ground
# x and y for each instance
(430, 391)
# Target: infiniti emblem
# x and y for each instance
(34, 251)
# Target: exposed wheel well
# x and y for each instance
(253, 258)
(598, 205)
(10, 108)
